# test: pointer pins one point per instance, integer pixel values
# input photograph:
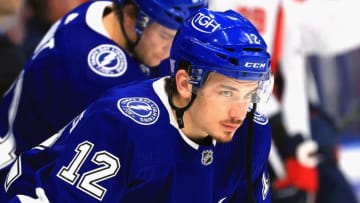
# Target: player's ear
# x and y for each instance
(182, 84)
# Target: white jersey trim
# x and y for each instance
(94, 17)
(160, 91)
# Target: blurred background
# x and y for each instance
(338, 79)
(22, 25)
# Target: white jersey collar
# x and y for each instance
(159, 88)
(94, 16)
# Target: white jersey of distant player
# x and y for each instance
(327, 27)
(262, 13)
(312, 27)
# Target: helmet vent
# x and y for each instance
(230, 49)
(221, 55)
(253, 49)
(234, 61)
(176, 18)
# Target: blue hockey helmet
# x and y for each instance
(225, 43)
(168, 13)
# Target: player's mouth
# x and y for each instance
(230, 127)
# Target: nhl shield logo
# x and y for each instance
(207, 157)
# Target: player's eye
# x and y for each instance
(250, 95)
(226, 93)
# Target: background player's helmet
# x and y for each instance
(222, 42)
(168, 13)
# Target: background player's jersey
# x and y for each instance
(331, 44)
(329, 32)
(261, 13)
(127, 147)
(74, 64)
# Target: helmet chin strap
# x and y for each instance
(129, 44)
(180, 111)
(249, 143)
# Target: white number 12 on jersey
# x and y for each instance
(88, 183)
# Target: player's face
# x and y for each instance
(154, 45)
(221, 106)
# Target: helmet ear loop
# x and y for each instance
(202, 82)
(142, 22)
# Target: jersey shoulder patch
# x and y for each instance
(141, 110)
(107, 60)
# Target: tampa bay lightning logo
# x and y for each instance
(143, 111)
(107, 60)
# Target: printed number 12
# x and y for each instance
(109, 166)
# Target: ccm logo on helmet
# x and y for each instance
(204, 23)
(255, 65)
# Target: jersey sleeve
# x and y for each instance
(295, 101)
(24, 105)
(262, 187)
(260, 153)
(262, 145)
(84, 163)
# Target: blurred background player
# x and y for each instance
(38, 16)
(11, 57)
(282, 25)
(22, 25)
(94, 47)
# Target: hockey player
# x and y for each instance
(94, 47)
(184, 138)
(306, 142)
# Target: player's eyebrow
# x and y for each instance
(228, 87)
(167, 35)
(252, 91)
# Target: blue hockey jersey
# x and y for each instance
(74, 64)
(127, 147)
